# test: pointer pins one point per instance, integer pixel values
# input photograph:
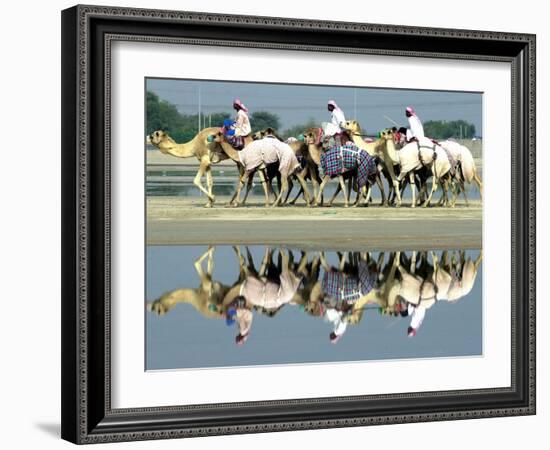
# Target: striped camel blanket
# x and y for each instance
(337, 160)
(268, 151)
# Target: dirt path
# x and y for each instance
(180, 220)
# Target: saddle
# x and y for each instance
(436, 143)
(237, 142)
(336, 140)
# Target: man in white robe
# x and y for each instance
(415, 130)
(337, 120)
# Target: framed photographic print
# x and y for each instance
(283, 224)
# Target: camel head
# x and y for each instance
(312, 136)
(217, 137)
(161, 140)
(387, 134)
(352, 126)
(263, 133)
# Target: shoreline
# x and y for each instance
(184, 221)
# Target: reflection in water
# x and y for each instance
(336, 288)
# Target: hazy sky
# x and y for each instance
(296, 104)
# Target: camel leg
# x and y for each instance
(413, 262)
(463, 187)
(413, 188)
(444, 192)
(248, 187)
(316, 181)
(477, 262)
(479, 184)
(296, 197)
(242, 263)
(442, 199)
(264, 184)
(315, 184)
(343, 185)
(456, 191)
(380, 185)
(350, 188)
(342, 262)
(209, 181)
(336, 192)
(203, 167)
(284, 187)
(290, 187)
(303, 185)
(368, 194)
(205, 278)
(324, 263)
(245, 179)
(361, 193)
(321, 189)
(395, 182)
(268, 256)
(239, 187)
(434, 187)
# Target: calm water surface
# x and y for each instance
(243, 306)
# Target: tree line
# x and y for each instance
(163, 115)
(458, 129)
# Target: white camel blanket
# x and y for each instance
(268, 151)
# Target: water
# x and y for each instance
(190, 322)
(178, 181)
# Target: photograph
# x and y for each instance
(293, 224)
(288, 223)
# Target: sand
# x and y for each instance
(184, 221)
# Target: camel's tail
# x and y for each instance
(469, 171)
(479, 184)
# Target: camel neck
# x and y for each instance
(230, 151)
(184, 150)
(315, 153)
(391, 151)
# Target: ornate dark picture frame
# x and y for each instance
(87, 34)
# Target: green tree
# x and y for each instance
(162, 115)
(458, 129)
(260, 120)
(299, 129)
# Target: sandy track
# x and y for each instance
(180, 220)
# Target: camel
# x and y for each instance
(206, 152)
(427, 153)
(256, 153)
(372, 150)
(406, 285)
(312, 138)
(309, 170)
(300, 150)
(387, 154)
(468, 171)
(206, 299)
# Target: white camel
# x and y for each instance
(468, 170)
(424, 153)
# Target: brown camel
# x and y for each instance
(383, 145)
(206, 152)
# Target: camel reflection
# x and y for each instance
(335, 287)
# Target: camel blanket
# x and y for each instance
(268, 151)
(338, 160)
(270, 295)
(341, 287)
